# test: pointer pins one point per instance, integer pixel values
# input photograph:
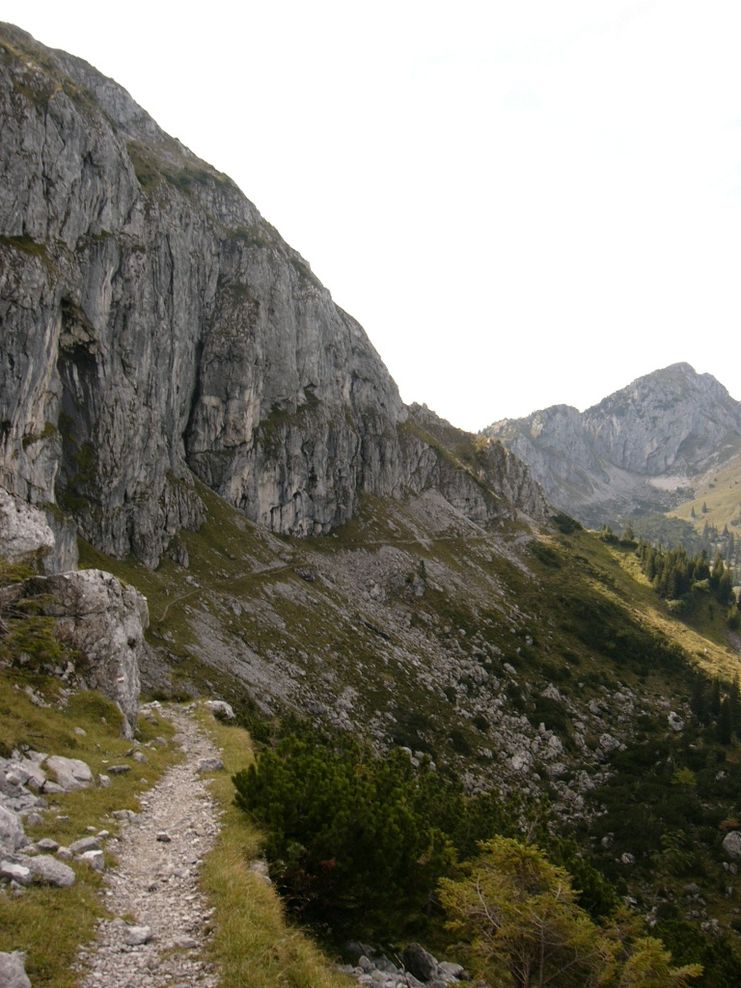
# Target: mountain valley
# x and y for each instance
(206, 467)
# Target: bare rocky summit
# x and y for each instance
(642, 448)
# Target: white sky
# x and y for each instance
(523, 201)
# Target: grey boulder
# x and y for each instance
(732, 844)
(47, 870)
(13, 871)
(12, 835)
(106, 620)
(137, 936)
(220, 709)
(70, 773)
(13, 970)
(210, 765)
(85, 844)
(419, 962)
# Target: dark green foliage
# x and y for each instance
(565, 523)
(659, 529)
(721, 963)
(594, 892)
(677, 576)
(350, 844)
(665, 803)
(556, 718)
(357, 843)
(549, 557)
(725, 723)
(607, 535)
(605, 627)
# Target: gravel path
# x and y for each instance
(154, 885)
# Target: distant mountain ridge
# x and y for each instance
(644, 448)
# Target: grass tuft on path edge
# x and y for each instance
(252, 944)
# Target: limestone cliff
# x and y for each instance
(642, 448)
(155, 326)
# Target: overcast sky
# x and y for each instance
(523, 201)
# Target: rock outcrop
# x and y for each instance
(156, 327)
(641, 448)
(105, 621)
(27, 533)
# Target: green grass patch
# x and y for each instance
(51, 924)
(253, 945)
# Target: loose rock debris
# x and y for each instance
(161, 923)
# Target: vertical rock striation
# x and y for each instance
(156, 327)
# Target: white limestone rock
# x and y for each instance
(48, 870)
(105, 619)
(12, 834)
(70, 773)
(137, 936)
(220, 708)
(732, 844)
(13, 970)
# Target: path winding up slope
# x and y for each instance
(155, 883)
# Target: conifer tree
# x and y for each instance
(725, 725)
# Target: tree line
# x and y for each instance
(678, 576)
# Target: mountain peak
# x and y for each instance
(633, 448)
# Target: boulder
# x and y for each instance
(70, 773)
(95, 860)
(47, 844)
(33, 775)
(25, 532)
(675, 721)
(13, 970)
(47, 870)
(732, 844)
(105, 620)
(85, 844)
(419, 962)
(608, 743)
(12, 835)
(450, 973)
(220, 709)
(13, 871)
(210, 765)
(136, 936)
(125, 816)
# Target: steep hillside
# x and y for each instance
(643, 449)
(173, 333)
(179, 391)
(717, 499)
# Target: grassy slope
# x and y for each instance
(563, 609)
(720, 491)
(487, 598)
(703, 636)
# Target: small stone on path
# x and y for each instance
(137, 936)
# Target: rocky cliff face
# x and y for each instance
(633, 451)
(156, 328)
